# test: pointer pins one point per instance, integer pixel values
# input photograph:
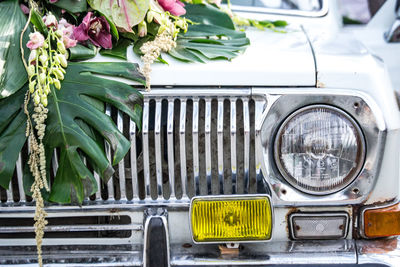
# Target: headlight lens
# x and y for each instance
(319, 149)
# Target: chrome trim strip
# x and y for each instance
(259, 109)
(170, 147)
(246, 121)
(288, 12)
(121, 164)
(110, 184)
(220, 144)
(134, 178)
(157, 143)
(233, 145)
(146, 232)
(22, 197)
(190, 92)
(182, 147)
(232, 197)
(207, 132)
(145, 140)
(195, 133)
(72, 228)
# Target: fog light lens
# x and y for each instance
(382, 222)
(319, 226)
(231, 219)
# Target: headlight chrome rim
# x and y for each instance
(350, 177)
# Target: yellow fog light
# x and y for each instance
(233, 218)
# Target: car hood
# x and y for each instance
(272, 59)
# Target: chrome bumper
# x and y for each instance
(336, 252)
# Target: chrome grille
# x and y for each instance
(189, 145)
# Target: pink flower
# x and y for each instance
(24, 9)
(36, 40)
(50, 21)
(68, 31)
(175, 7)
(95, 29)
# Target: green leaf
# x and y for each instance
(12, 71)
(72, 5)
(12, 134)
(74, 118)
(204, 42)
(38, 22)
(209, 15)
(118, 50)
(124, 13)
(80, 52)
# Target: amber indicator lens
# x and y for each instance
(382, 222)
(215, 220)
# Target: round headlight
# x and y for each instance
(319, 149)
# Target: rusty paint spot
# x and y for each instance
(290, 211)
(320, 84)
(187, 245)
(379, 246)
(228, 251)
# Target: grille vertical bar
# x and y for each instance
(121, 164)
(22, 197)
(207, 130)
(110, 184)
(157, 138)
(170, 147)
(233, 146)
(182, 151)
(145, 138)
(220, 144)
(246, 121)
(195, 133)
(134, 176)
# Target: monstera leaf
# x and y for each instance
(75, 120)
(12, 71)
(70, 104)
(124, 13)
(212, 37)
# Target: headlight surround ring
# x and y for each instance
(349, 177)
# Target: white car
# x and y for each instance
(295, 142)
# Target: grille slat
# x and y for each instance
(121, 164)
(22, 197)
(195, 139)
(145, 152)
(170, 147)
(207, 131)
(220, 144)
(158, 155)
(110, 184)
(246, 122)
(133, 154)
(182, 151)
(233, 145)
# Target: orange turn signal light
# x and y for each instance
(382, 222)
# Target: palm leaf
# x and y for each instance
(213, 37)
